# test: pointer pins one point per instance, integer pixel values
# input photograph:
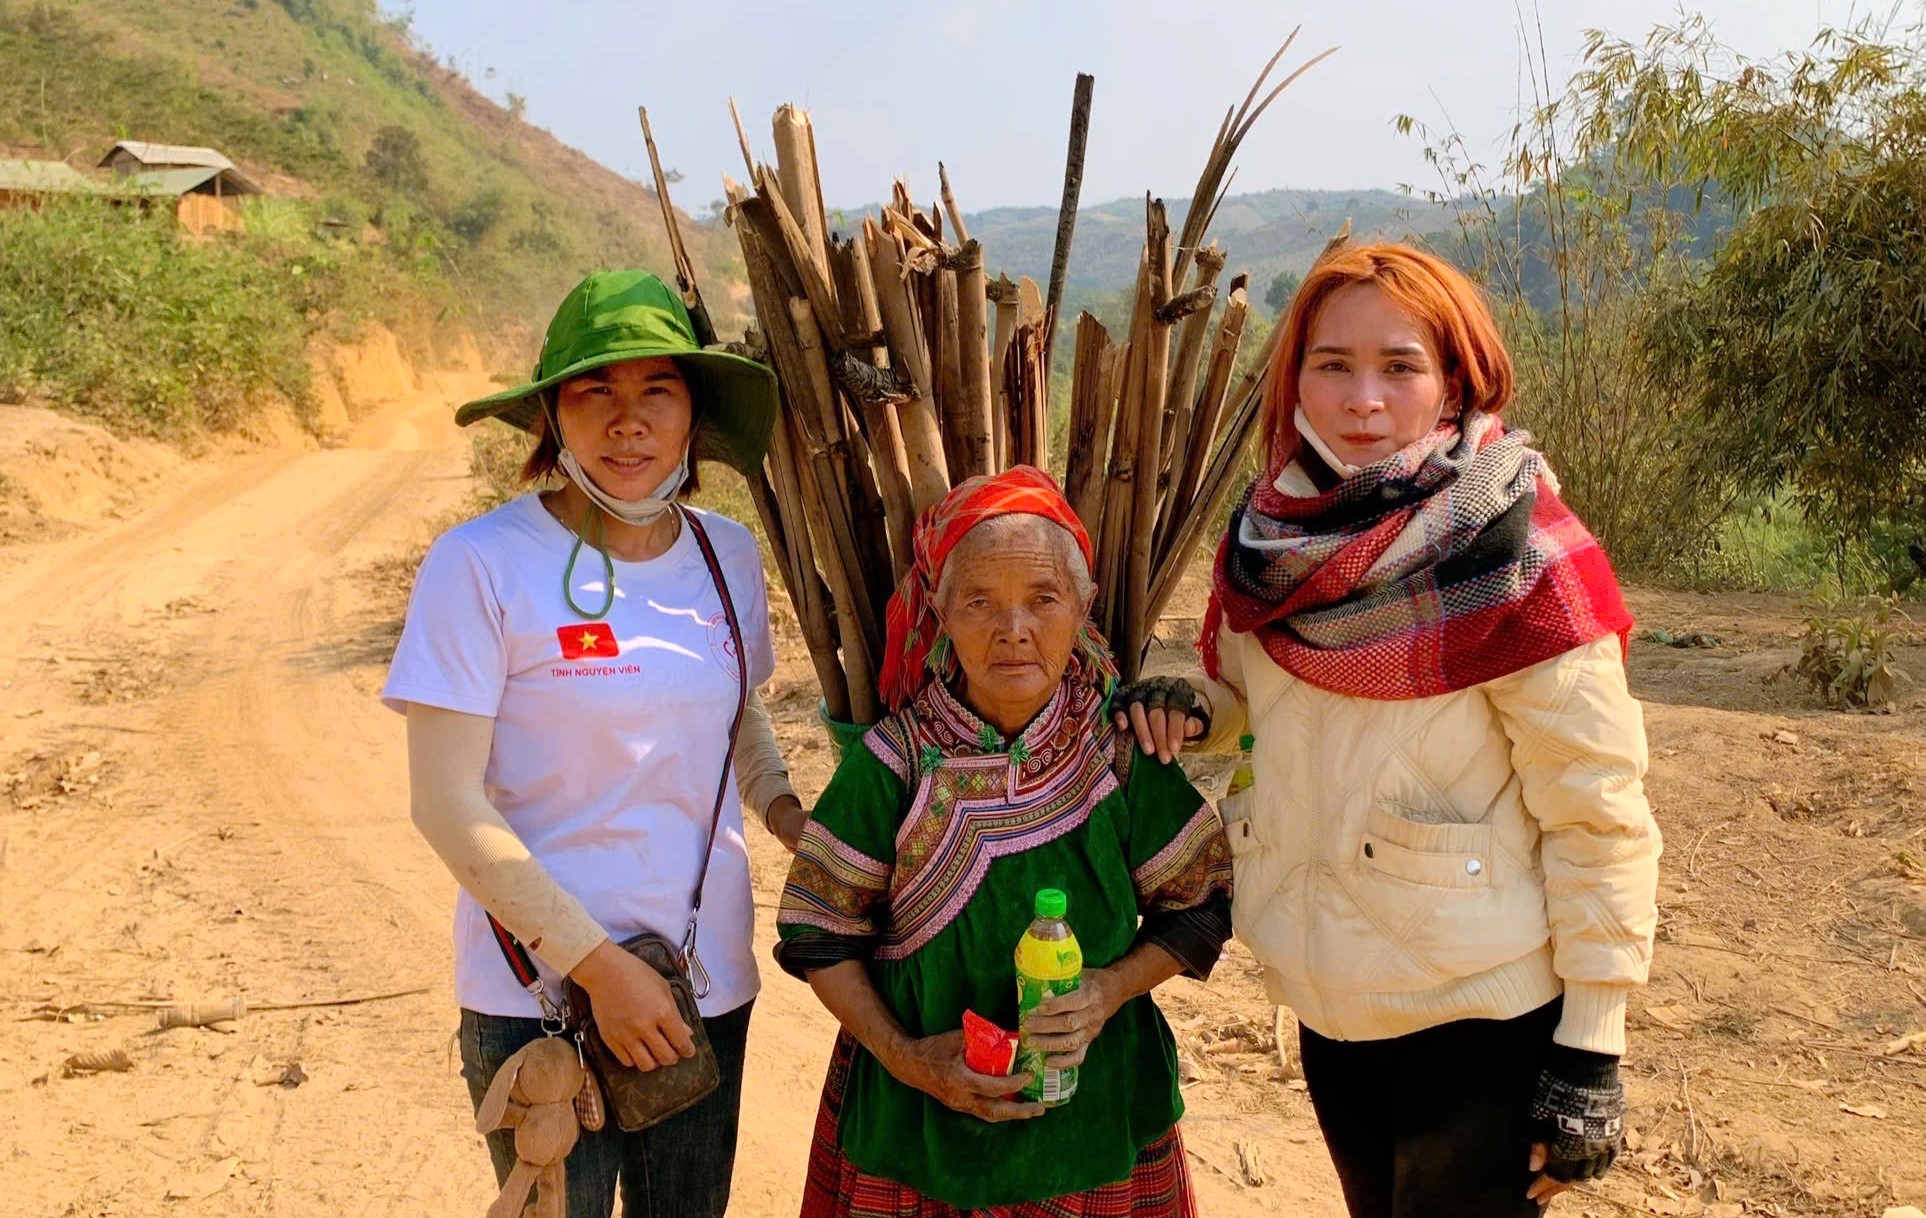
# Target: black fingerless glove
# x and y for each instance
(1162, 693)
(1579, 1113)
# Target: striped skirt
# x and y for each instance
(1158, 1187)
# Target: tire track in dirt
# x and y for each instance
(321, 890)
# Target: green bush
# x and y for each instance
(110, 314)
(1848, 655)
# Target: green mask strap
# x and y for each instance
(593, 520)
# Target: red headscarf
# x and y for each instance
(1022, 490)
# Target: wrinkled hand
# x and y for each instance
(1064, 1027)
(934, 1065)
(786, 818)
(1579, 1107)
(1163, 713)
(634, 1009)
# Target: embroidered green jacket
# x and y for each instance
(924, 857)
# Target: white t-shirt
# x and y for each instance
(610, 736)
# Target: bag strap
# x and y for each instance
(519, 961)
(698, 975)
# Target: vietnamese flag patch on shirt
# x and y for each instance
(587, 641)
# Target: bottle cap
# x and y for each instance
(1246, 742)
(1051, 903)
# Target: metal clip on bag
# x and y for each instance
(637, 1098)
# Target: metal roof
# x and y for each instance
(173, 182)
(50, 177)
(169, 156)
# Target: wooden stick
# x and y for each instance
(809, 596)
(763, 495)
(929, 474)
(1217, 482)
(949, 205)
(742, 138)
(1025, 383)
(946, 350)
(828, 515)
(856, 289)
(1143, 516)
(828, 453)
(1092, 410)
(1067, 208)
(1195, 439)
(814, 274)
(1123, 465)
(1033, 410)
(797, 177)
(684, 269)
(819, 634)
(1003, 294)
(973, 359)
(1182, 392)
(200, 1014)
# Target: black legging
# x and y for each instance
(1435, 1124)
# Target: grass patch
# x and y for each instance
(110, 315)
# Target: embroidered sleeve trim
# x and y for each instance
(832, 885)
(1195, 863)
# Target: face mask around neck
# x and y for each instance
(1339, 466)
(628, 511)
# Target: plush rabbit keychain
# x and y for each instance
(545, 1095)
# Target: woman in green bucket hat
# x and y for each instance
(575, 667)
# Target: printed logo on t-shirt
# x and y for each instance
(721, 642)
(587, 641)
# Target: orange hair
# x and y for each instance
(1432, 291)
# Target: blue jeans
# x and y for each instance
(678, 1169)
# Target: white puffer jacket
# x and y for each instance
(1469, 856)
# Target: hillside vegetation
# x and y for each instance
(1265, 232)
(396, 192)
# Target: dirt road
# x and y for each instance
(200, 797)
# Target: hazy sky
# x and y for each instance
(985, 85)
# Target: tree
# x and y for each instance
(476, 218)
(1796, 345)
(1283, 286)
(395, 161)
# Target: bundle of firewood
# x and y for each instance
(905, 369)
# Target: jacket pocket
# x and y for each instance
(1235, 812)
(1436, 855)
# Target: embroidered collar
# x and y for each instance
(954, 730)
(976, 797)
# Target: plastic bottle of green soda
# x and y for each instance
(1048, 963)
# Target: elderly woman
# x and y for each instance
(1447, 863)
(999, 775)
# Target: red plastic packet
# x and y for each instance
(987, 1049)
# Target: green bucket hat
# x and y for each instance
(613, 316)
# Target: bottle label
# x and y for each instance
(1065, 959)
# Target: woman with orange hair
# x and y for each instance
(1446, 862)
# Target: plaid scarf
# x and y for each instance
(1450, 563)
(916, 648)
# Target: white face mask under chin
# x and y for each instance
(1342, 468)
(628, 511)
